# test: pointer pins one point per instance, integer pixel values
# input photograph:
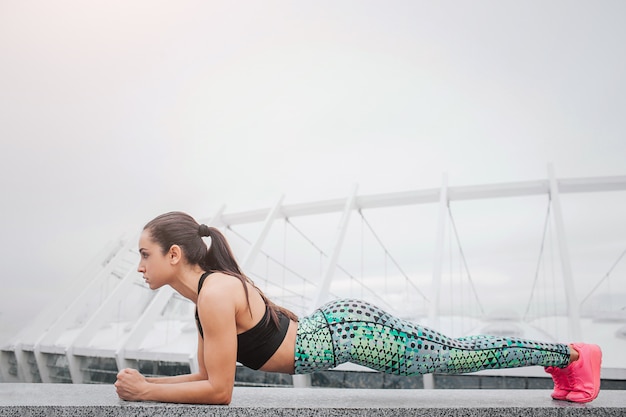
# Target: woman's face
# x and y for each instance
(153, 264)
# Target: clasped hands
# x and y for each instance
(131, 385)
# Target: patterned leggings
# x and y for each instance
(358, 332)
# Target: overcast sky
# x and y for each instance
(112, 112)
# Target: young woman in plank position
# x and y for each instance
(238, 323)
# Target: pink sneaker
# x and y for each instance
(584, 374)
(561, 383)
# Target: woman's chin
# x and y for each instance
(152, 285)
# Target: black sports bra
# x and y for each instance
(257, 345)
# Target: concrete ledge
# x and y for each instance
(101, 400)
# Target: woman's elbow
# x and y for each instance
(226, 399)
(222, 397)
(218, 396)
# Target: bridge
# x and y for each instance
(415, 253)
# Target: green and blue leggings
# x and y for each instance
(355, 331)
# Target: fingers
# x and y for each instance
(124, 383)
(129, 385)
(127, 372)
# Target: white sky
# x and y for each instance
(113, 111)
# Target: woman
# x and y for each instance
(236, 322)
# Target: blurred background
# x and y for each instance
(114, 112)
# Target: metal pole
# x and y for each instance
(433, 311)
(573, 313)
(327, 277)
(256, 246)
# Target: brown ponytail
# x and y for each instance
(220, 258)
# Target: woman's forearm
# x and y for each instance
(177, 379)
(194, 392)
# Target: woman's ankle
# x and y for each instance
(573, 354)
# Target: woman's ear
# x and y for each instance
(175, 254)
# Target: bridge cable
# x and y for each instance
(339, 267)
(539, 261)
(268, 256)
(604, 277)
(406, 277)
(469, 276)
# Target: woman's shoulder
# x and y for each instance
(221, 286)
(216, 277)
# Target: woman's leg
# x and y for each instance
(314, 345)
(364, 334)
(358, 332)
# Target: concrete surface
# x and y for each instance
(101, 400)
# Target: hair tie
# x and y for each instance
(203, 230)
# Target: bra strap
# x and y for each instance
(201, 282)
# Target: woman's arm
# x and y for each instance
(177, 379)
(217, 311)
